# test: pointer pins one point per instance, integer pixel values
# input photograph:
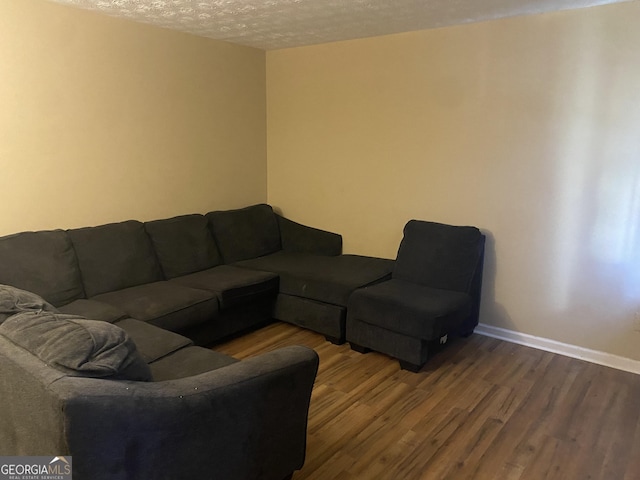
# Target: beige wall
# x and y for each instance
(525, 127)
(104, 120)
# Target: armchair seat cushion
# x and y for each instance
(321, 278)
(233, 285)
(165, 304)
(411, 309)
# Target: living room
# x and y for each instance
(525, 127)
(520, 126)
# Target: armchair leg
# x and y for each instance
(466, 333)
(412, 367)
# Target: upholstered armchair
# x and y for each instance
(434, 292)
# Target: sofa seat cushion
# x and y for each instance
(409, 308)
(14, 300)
(77, 346)
(322, 278)
(43, 263)
(187, 362)
(233, 285)
(153, 342)
(183, 244)
(94, 310)
(166, 304)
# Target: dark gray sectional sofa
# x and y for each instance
(167, 287)
(204, 276)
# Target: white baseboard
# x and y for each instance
(593, 356)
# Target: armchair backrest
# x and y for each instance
(439, 256)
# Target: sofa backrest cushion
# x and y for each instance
(183, 244)
(77, 346)
(13, 300)
(43, 263)
(438, 255)
(245, 233)
(115, 256)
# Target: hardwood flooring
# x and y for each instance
(480, 409)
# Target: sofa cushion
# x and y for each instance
(76, 346)
(438, 255)
(94, 310)
(187, 362)
(409, 308)
(183, 244)
(322, 278)
(14, 300)
(166, 304)
(245, 233)
(115, 256)
(152, 342)
(43, 263)
(233, 285)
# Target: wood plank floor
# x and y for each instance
(480, 409)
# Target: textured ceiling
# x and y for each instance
(273, 24)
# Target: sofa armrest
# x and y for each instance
(299, 238)
(243, 421)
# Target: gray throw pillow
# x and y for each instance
(13, 300)
(77, 346)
